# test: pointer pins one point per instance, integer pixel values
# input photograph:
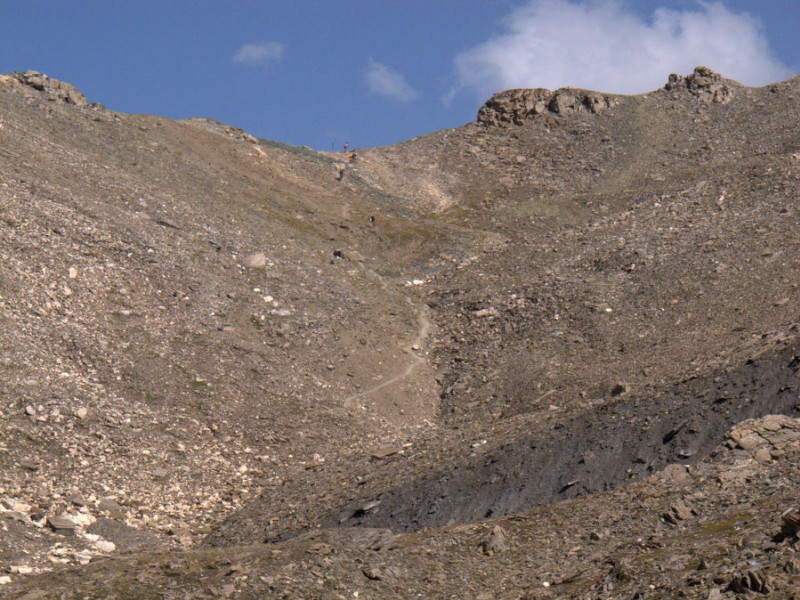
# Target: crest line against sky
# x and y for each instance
(320, 73)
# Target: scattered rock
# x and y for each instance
(678, 512)
(495, 541)
(61, 524)
(792, 566)
(77, 500)
(790, 529)
(745, 438)
(256, 261)
(320, 548)
(373, 572)
(751, 581)
(105, 546)
(112, 509)
(386, 452)
(674, 474)
(763, 455)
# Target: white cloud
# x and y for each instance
(603, 45)
(260, 54)
(385, 81)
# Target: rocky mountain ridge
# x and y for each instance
(517, 106)
(440, 368)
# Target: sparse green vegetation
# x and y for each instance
(724, 526)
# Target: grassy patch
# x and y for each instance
(723, 526)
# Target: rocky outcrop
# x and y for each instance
(53, 89)
(705, 84)
(520, 105)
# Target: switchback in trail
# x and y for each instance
(413, 351)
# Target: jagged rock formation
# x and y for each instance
(53, 89)
(519, 105)
(708, 86)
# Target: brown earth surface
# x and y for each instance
(553, 353)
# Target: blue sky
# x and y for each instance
(375, 72)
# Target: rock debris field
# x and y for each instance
(552, 353)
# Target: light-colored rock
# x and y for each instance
(21, 569)
(677, 512)
(256, 261)
(763, 455)
(105, 546)
(495, 541)
(53, 89)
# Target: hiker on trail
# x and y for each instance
(346, 146)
